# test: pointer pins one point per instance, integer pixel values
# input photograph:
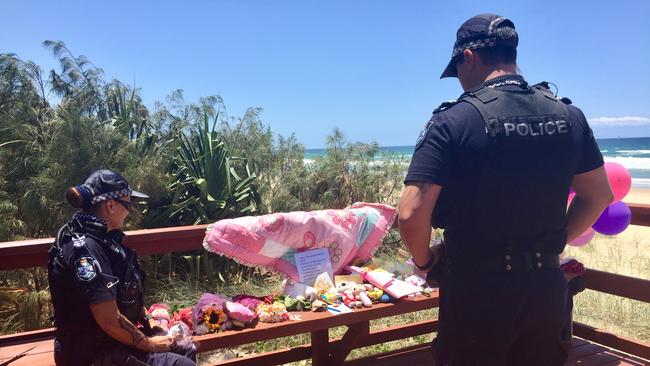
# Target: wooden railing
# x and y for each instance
(31, 253)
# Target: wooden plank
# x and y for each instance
(640, 213)
(304, 351)
(42, 354)
(576, 353)
(278, 357)
(594, 359)
(627, 345)
(24, 337)
(624, 359)
(619, 285)
(33, 253)
(418, 355)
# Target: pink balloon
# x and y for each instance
(619, 179)
(583, 239)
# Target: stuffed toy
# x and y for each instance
(160, 313)
(252, 302)
(239, 314)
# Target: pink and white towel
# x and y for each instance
(270, 241)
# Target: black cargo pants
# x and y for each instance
(502, 319)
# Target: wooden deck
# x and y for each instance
(582, 353)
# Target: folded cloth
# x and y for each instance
(270, 241)
(387, 282)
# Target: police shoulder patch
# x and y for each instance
(446, 105)
(423, 135)
(85, 268)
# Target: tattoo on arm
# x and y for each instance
(136, 335)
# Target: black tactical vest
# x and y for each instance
(520, 195)
(126, 275)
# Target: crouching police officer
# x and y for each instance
(96, 284)
(494, 169)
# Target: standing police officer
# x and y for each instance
(96, 284)
(494, 169)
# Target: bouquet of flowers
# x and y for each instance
(209, 315)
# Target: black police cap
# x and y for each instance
(105, 185)
(478, 32)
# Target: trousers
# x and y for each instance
(502, 319)
(120, 355)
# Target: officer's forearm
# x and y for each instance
(416, 207)
(593, 194)
(118, 327)
(582, 214)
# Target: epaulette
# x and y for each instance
(545, 87)
(445, 106)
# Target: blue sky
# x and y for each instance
(368, 67)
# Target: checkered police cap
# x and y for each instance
(477, 32)
(111, 195)
(104, 185)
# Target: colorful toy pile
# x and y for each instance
(215, 313)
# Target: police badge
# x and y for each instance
(86, 269)
(423, 135)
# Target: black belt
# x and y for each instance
(506, 263)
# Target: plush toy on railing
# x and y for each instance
(160, 313)
(617, 216)
(573, 272)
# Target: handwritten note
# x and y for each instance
(311, 263)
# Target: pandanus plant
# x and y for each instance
(208, 183)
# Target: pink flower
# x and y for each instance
(309, 239)
(272, 222)
(334, 250)
(344, 219)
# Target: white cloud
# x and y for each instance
(619, 121)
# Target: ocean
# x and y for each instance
(632, 153)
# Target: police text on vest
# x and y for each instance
(536, 129)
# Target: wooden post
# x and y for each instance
(349, 342)
(320, 348)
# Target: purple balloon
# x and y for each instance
(614, 219)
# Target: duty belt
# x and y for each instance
(506, 263)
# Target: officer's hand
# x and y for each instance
(159, 329)
(160, 343)
(418, 272)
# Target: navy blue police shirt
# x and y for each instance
(451, 152)
(93, 273)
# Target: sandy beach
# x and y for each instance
(638, 195)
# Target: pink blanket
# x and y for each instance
(270, 241)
